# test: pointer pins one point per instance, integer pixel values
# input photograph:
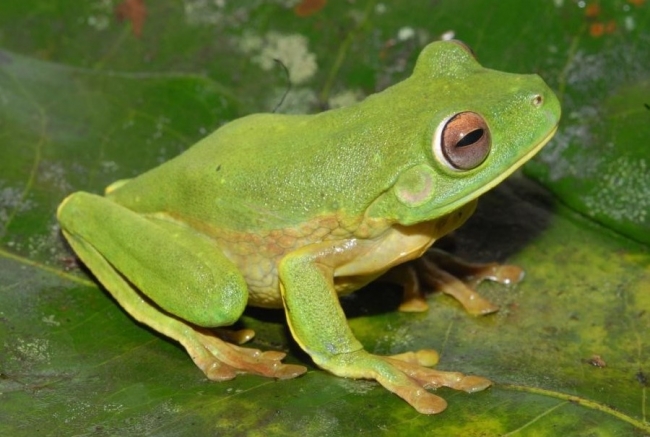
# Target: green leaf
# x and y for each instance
(599, 163)
(84, 102)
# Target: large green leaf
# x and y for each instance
(84, 101)
(599, 163)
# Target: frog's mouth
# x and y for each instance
(494, 182)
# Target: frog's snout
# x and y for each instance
(62, 204)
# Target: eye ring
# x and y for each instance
(463, 141)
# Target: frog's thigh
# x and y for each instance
(180, 270)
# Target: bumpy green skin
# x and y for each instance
(294, 209)
(269, 171)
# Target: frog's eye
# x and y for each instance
(464, 142)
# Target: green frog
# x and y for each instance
(293, 211)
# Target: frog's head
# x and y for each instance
(481, 125)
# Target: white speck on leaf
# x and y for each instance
(53, 174)
(578, 131)
(98, 22)
(49, 320)
(113, 408)
(345, 98)
(448, 35)
(291, 50)
(12, 202)
(202, 12)
(358, 386)
(109, 166)
(100, 19)
(318, 424)
(298, 101)
(35, 350)
(405, 33)
(631, 204)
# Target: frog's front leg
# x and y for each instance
(318, 324)
(169, 277)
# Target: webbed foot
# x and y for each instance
(407, 376)
(451, 275)
(221, 361)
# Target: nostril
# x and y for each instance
(537, 101)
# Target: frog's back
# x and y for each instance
(264, 171)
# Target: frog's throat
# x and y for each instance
(496, 181)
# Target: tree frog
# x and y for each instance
(292, 211)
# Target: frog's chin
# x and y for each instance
(487, 187)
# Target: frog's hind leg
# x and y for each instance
(453, 276)
(458, 278)
(170, 278)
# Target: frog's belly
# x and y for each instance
(260, 271)
(265, 293)
(261, 275)
(257, 256)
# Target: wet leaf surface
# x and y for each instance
(84, 101)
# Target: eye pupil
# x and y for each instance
(465, 141)
(470, 138)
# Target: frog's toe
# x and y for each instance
(457, 278)
(505, 274)
(406, 376)
(472, 383)
(431, 378)
(420, 399)
(221, 361)
(215, 370)
(413, 304)
(238, 337)
(289, 371)
(441, 271)
(414, 380)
